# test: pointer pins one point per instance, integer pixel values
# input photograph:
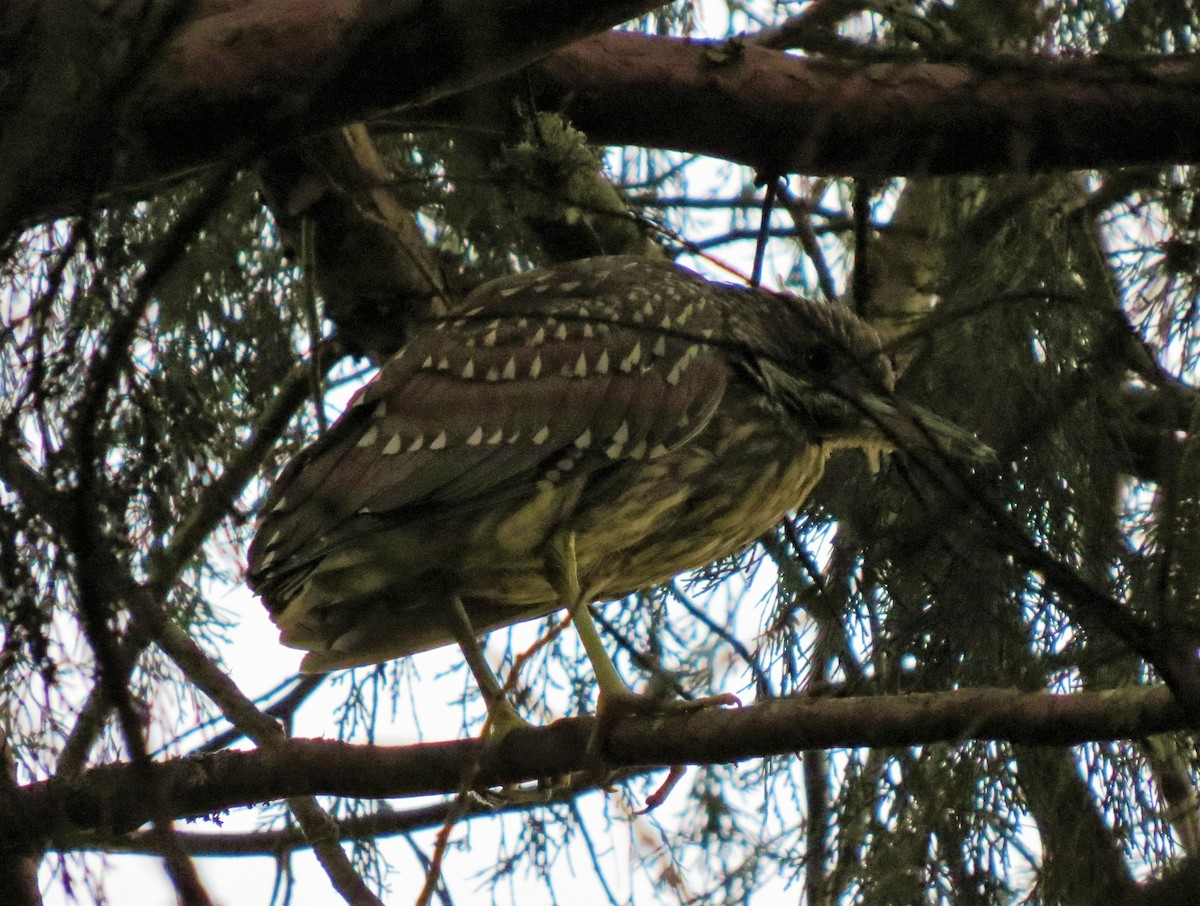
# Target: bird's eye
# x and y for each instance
(818, 360)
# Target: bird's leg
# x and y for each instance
(615, 697)
(502, 716)
(564, 576)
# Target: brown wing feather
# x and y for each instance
(581, 363)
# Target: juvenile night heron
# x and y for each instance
(568, 435)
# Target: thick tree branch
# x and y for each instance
(108, 797)
(783, 114)
(338, 204)
(1069, 823)
(251, 73)
(272, 70)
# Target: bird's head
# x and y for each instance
(826, 368)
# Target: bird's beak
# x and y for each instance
(901, 426)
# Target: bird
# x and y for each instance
(564, 436)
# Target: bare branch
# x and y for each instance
(241, 74)
(783, 114)
(108, 796)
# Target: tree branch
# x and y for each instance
(109, 796)
(272, 70)
(253, 72)
(783, 114)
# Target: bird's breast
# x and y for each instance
(643, 524)
(706, 508)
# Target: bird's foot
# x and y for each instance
(659, 796)
(623, 701)
(502, 719)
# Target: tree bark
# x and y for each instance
(107, 102)
(260, 74)
(108, 797)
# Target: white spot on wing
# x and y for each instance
(660, 346)
(476, 437)
(510, 291)
(584, 440)
(417, 444)
(393, 446)
(621, 435)
(569, 285)
(469, 369)
(439, 442)
(581, 366)
(369, 438)
(635, 356)
(560, 332)
(496, 438)
(510, 369)
(535, 367)
(539, 337)
(542, 434)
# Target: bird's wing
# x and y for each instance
(540, 377)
